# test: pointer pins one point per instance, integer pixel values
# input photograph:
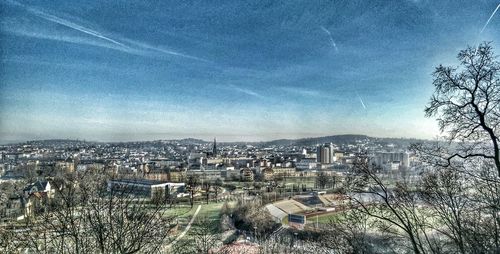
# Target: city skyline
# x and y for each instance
(241, 72)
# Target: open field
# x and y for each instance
(323, 218)
(309, 182)
(211, 211)
(179, 212)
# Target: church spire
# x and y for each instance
(214, 151)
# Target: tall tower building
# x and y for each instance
(324, 153)
(318, 153)
(214, 149)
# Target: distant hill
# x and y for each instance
(342, 139)
(192, 141)
(336, 139)
(55, 141)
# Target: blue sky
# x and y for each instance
(123, 70)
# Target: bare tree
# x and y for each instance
(484, 222)
(394, 207)
(7, 241)
(217, 187)
(463, 185)
(203, 238)
(206, 188)
(205, 235)
(87, 217)
(464, 210)
(445, 193)
(467, 102)
(192, 184)
(349, 233)
(322, 180)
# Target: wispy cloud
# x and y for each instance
(41, 33)
(245, 91)
(306, 92)
(76, 64)
(101, 39)
(492, 14)
(332, 42)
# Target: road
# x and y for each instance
(181, 235)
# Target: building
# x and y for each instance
(210, 174)
(39, 187)
(67, 165)
(12, 207)
(246, 174)
(231, 173)
(338, 156)
(88, 165)
(306, 164)
(268, 174)
(325, 154)
(391, 160)
(283, 171)
(36, 197)
(144, 187)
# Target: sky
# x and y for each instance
(235, 70)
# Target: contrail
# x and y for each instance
(245, 91)
(487, 22)
(361, 100)
(334, 45)
(133, 47)
(91, 32)
(74, 26)
(165, 51)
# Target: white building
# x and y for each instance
(388, 160)
(144, 187)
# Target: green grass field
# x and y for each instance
(323, 219)
(309, 181)
(182, 212)
(211, 211)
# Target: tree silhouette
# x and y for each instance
(467, 102)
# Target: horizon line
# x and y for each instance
(184, 138)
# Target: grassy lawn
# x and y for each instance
(307, 181)
(324, 218)
(181, 212)
(211, 211)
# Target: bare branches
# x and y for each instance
(446, 211)
(395, 206)
(467, 101)
(86, 217)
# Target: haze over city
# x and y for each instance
(119, 71)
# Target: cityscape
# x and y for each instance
(250, 127)
(292, 177)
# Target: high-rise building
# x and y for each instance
(324, 153)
